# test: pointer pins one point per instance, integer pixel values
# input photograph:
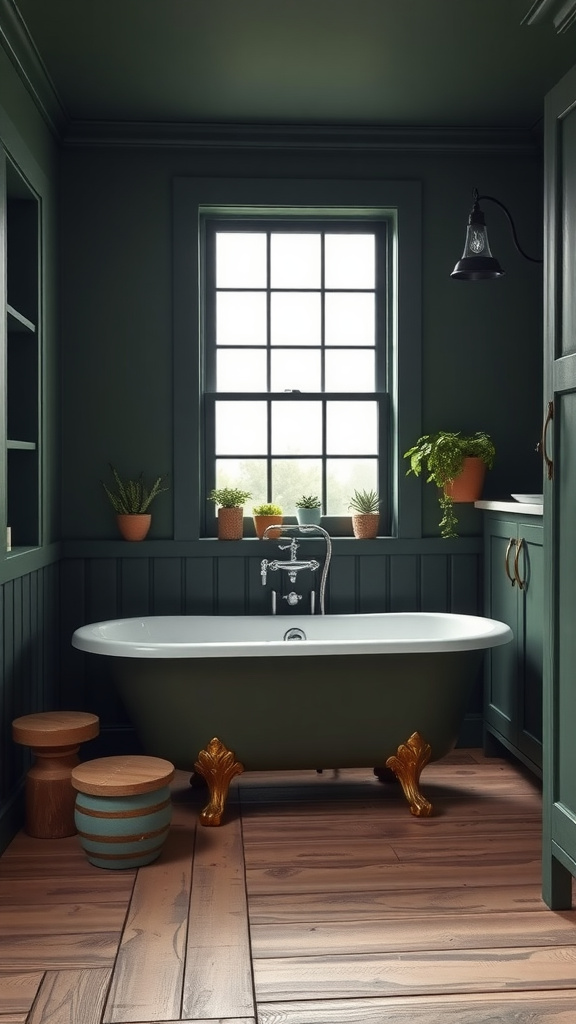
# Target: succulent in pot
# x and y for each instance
(131, 500)
(308, 509)
(365, 507)
(230, 512)
(267, 514)
(457, 465)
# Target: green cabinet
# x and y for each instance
(514, 593)
(20, 428)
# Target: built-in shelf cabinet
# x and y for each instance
(22, 359)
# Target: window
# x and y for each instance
(295, 363)
(296, 345)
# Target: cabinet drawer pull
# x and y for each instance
(521, 583)
(511, 543)
(541, 446)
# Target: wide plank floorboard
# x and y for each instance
(426, 973)
(320, 900)
(346, 907)
(70, 997)
(147, 982)
(17, 991)
(511, 1008)
(218, 975)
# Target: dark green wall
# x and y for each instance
(481, 342)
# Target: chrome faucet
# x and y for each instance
(293, 565)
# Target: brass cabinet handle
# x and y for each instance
(513, 579)
(541, 446)
(519, 546)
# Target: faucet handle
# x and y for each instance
(293, 545)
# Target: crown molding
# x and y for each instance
(19, 46)
(125, 134)
(561, 12)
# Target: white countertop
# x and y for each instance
(516, 507)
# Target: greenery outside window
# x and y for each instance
(296, 345)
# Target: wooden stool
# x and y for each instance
(55, 738)
(123, 809)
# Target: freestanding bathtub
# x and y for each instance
(222, 694)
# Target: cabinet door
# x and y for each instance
(559, 819)
(501, 680)
(530, 564)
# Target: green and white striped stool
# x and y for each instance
(123, 809)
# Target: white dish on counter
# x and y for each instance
(529, 499)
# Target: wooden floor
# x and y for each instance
(321, 900)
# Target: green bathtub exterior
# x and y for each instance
(347, 711)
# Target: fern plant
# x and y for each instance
(132, 497)
(442, 456)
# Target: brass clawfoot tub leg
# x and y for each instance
(218, 766)
(407, 763)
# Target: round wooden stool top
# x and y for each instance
(122, 775)
(55, 728)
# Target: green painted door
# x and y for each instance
(559, 443)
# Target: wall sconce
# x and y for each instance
(477, 262)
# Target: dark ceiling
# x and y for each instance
(411, 63)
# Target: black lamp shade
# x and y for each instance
(477, 268)
(477, 262)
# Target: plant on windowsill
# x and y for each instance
(308, 510)
(131, 500)
(365, 506)
(230, 512)
(457, 465)
(267, 514)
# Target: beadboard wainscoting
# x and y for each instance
(29, 677)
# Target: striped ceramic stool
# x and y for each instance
(55, 738)
(123, 809)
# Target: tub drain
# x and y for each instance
(294, 634)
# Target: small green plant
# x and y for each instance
(267, 509)
(442, 456)
(132, 497)
(229, 497)
(364, 502)
(308, 501)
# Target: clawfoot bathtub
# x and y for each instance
(222, 694)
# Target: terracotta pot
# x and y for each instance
(134, 526)
(365, 525)
(261, 522)
(230, 523)
(468, 486)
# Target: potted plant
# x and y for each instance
(365, 507)
(457, 465)
(308, 509)
(267, 514)
(231, 511)
(131, 500)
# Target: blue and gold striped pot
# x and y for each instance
(123, 831)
